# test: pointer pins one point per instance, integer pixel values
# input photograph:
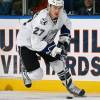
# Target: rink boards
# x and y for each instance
(83, 57)
(47, 86)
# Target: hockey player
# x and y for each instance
(37, 37)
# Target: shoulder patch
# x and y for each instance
(43, 21)
(36, 14)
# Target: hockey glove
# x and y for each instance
(64, 40)
(63, 46)
(52, 49)
(56, 51)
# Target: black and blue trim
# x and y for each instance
(48, 49)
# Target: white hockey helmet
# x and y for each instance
(56, 2)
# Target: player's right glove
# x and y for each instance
(56, 51)
(52, 49)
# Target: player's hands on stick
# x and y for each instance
(56, 51)
(59, 50)
(52, 49)
(64, 47)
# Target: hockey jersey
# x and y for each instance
(41, 30)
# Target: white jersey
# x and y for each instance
(41, 30)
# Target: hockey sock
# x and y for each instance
(65, 77)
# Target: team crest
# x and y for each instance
(43, 21)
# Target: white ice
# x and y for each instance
(12, 95)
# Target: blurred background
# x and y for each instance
(29, 7)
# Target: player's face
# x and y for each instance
(54, 11)
(88, 3)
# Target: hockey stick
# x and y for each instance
(63, 58)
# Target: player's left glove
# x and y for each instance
(64, 41)
(63, 46)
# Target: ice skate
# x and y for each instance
(26, 79)
(75, 90)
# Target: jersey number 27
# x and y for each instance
(38, 31)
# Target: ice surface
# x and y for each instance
(12, 95)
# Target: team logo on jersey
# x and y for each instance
(43, 21)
